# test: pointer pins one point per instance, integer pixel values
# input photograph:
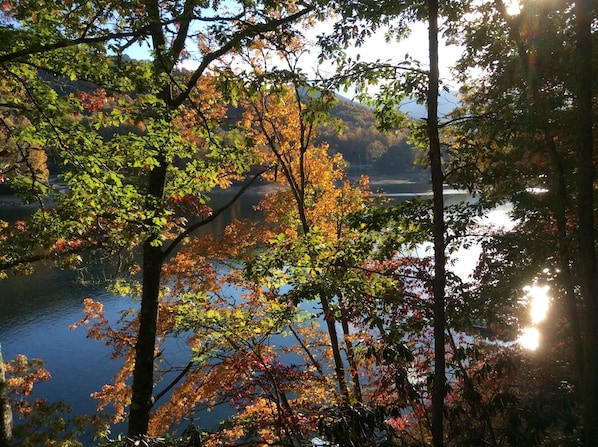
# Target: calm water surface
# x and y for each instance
(36, 312)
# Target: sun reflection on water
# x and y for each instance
(539, 301)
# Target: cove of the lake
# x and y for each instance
(37, 310)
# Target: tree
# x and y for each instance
(312, 204)
(38, 420)
(232, 334)
(584, 16)
(121, 190)
(5, 409)
(435, 155)
(309, 247)
(528, 140)
(405, 79)
(314, 250)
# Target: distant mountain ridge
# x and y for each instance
(446, 103)
(366, 148)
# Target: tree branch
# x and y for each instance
(176, 380)
(213, 217)
(66, 43)
(235, 40)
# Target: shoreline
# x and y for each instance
(12, 201)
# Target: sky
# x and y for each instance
(416, 45)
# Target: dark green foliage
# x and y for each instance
(191, 437)
(356, 425)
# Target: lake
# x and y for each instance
(36, 312)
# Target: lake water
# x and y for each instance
(36, 312)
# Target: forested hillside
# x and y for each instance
(367, 149)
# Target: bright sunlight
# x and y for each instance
(538, 300)
(529, 338)
(513, 7)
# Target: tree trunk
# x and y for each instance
(143, 373)
(439, 385)
(339, 365)
(587, 243)
(565, 254)
(357, 394)
(5, 410)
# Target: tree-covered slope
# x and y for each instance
(355, 136)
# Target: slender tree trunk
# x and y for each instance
(587, 243)
(439, 385)
(357, 394)
(5, 410)
(339, 365)
(143, 373)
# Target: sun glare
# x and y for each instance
(530, 338)
(513, 7)
(538, 299)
